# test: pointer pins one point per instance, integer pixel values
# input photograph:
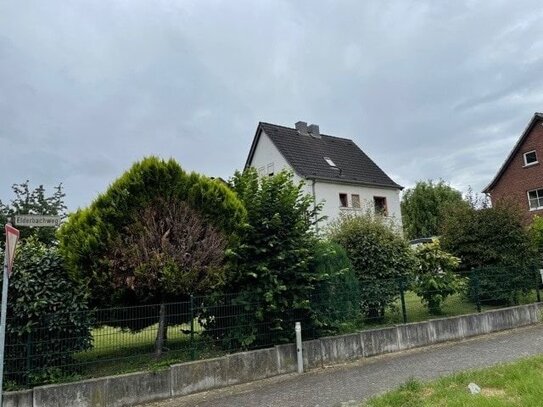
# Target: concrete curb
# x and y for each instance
(191, 377)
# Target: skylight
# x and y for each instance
(329, 161)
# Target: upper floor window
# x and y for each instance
(380, 204)
(355, 199)
(329, 161)
(270, 169)
(261, 170)
(535, 199)
(530, 158)
(343, 202)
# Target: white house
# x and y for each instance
(336, 172)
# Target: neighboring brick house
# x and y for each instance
(520, 179)
(336, 172)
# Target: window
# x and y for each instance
(270, 169)
(535, 199)
(343, 200)
(530, 158)
(261, 170)
(380, 204)
(355, 199)
(329, 161)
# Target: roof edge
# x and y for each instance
(537, 116)
(355, 182)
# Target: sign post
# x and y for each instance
(12, 236)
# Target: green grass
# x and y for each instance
(116, 351)
(517, 384)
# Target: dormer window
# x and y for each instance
(330, 162)
(530, 158)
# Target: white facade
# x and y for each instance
(267, 157)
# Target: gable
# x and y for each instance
(516, 152)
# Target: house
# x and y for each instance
(520, 178)
(335, 171)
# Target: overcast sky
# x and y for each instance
(429, 89)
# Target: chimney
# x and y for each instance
(302, 128)
(314, 131)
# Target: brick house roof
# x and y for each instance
(306, 155)
(536, 117)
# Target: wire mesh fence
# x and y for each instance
(118, 340)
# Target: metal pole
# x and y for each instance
(475, 275)
(537, 285)
(402, 298)
(3, 323)
(298, 330)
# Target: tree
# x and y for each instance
(270, 279)
(48, 317)
(150, 189)
(34, 201)
(435, 279)
(168, 251)
(424, 205)
(380, 258)
(494, 242)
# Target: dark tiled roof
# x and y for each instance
(306, 156)
(536, 117)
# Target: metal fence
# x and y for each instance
(119, 340)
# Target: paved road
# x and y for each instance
(361, 380)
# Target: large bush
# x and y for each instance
(271, 280)
(435, 278)
(144, 241)
(494, 243)
(90, 237)
(380, 258)
(48, 318)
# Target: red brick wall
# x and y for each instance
(517, 180)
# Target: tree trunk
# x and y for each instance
(161, 334)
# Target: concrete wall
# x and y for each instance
(192, 377)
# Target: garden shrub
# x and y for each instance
(493, 243)
(380, 258)
(270, 280)
(336, 300)
(48, 317)
(435, 278)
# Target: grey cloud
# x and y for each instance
(428, 89)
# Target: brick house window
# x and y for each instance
(380, 204)
(530, 158)
(355, 199)
(535, 199)
(343, 200)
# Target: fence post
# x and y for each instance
(192, 350)
(476, 284)
(402, 298)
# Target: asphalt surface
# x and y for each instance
(355, 382)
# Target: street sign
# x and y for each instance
(37, 220)
(12, 236)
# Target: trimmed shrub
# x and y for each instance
(380, 257)
(48, 318)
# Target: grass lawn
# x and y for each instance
(518, 384)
